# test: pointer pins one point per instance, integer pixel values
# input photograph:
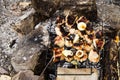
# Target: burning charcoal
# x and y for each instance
(94, 56)
(59, 41)
(117, 39)
(80, 56)
(68, 43)
(81, 26)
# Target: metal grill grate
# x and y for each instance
(86, 64)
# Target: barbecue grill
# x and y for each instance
(81, 65)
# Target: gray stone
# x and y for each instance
(109, 14)
(29, 49)
(25, 58)
(3, 71)
(25, 23)
(25, 75)
(5, 77)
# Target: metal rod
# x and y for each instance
(46, 67)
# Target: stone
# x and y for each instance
(25, 75)
(109, 14)
(5, 77)
(39, 36)
(25, 58)
(3, 71)
(29, 49)
(25, 24)
(25, 4)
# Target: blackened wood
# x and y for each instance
(110, 71)
(80, 7)
(45, 7)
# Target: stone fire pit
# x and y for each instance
(26, 27)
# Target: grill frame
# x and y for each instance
(52, 36)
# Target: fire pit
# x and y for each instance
(76, 43)
(80, 44)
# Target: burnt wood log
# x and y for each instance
(110, 60)
(80, 7)
(45, 7)
(85, 8)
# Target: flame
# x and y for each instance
(117, 39)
